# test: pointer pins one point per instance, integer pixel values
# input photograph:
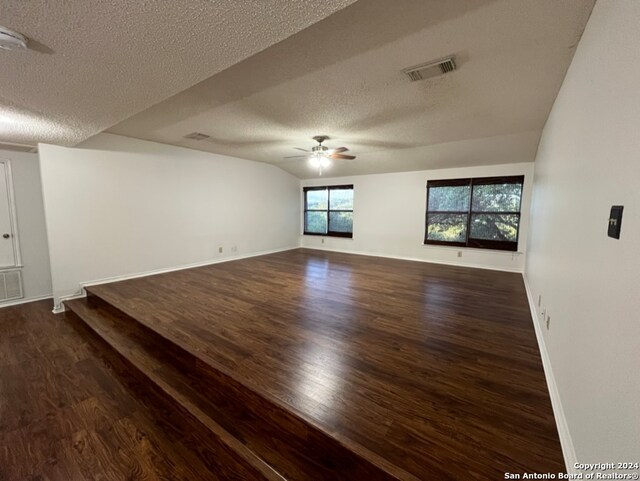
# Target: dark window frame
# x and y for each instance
(472, 242)
(328, 210)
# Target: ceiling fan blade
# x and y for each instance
(296, 157)
(342, 156)
(304, 150)
(336, 151)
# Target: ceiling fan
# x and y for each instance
(319, 156)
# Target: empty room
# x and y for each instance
(299, 240)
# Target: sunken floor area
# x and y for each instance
(300, 365)
(66, 416)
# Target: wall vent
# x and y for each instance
(430, 69)
(18, 147)
(196, 136)
(10, 285)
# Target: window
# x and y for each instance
(329, 210)
(482, 213)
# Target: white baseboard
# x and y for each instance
(25, 301)
(417, 259)
(568, 451)
(59, 306)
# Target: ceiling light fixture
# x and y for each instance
(10, 40)
(320, 156)
(319, 160)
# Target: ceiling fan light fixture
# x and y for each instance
(320, 157)
(319, 161)
(10, 40)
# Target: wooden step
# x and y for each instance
(230, 458)
(270, 430)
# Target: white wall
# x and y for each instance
(389, 217)
(32, 233)
(119, 206)
(588, 160)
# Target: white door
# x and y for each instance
(7, 244)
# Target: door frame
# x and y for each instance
(13, 215)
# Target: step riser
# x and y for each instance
(287, 434)
(217, 454)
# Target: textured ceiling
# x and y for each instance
(343, 77)
(95, 63)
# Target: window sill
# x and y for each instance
(474, 249)
(333, 236)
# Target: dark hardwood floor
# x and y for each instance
(66, 416)
(432, 369)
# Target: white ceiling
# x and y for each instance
(343, 77)
(95, 63)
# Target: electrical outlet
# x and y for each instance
(234, 249)
(322, 240)
(459, 253)
(539, 299)
(220, 249)
(548, 322)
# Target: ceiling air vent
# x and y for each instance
(18, 147)
(196, 136)
(430, 69)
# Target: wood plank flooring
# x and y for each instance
(253, 433)
(433, 368)
(66, 416)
